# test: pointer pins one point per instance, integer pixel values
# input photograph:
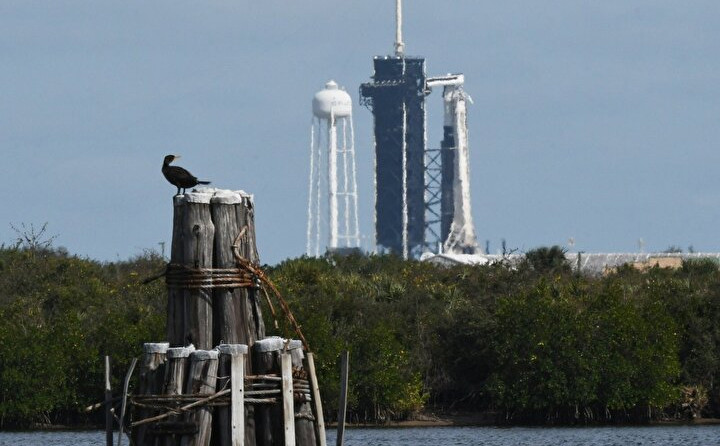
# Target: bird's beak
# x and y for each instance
(177, 157)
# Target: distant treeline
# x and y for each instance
(534, 342)
(59, 315)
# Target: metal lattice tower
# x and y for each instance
(433, 200)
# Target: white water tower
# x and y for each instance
(332, 189)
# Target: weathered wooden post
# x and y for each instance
(304, 426)
(152, 367)
(342, 406)
(317, 403)
(176, 305)
(152, 376)
(175, 372)
(177, 364)
(246, 218)
(203, 278)
(238, 437)
(288, 406)
(248, 249)
(237, 316)
(213, 298)
(108, 405)
(231, 321)
(231, 418)
(198, 234)
(190, 321)
(126, 385)
(201, 380)
(268, 418)
(234, 311)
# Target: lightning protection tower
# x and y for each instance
(332, 189)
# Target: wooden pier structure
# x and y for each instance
(218, 380)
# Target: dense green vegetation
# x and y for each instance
(532, 343)
(59, 316)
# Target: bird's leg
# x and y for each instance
(178, 191)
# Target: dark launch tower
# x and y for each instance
(396, 97)
(422, 195)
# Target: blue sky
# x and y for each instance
(593, 120)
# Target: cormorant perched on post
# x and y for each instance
(179, 177)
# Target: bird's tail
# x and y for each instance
(203, 182)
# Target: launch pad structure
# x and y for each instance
(397, 99)
(422, 194)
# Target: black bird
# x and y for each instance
(179, 177)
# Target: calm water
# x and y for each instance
(449, 436)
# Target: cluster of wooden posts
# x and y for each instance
(202, 397)
(219, 380)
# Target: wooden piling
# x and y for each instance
(231, 321)
(237, 314)
(200, 246)
(177, 364)
(152, 367)
(176, 304)
(174, 384)
(198, 234)
(268, 418)
(237, 401)
(214, 298)
(201, 380)
(287, 398)
(108, 405)
(208, 224)
(189, 306)
(151, 379)
(246, 218)
(317, 403)
(251, 309)
(230, 420)
(304, 419)
(342, 406)
(126, 384)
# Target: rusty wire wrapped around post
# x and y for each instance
(181, 276)
(246, 275)
(257, 273)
